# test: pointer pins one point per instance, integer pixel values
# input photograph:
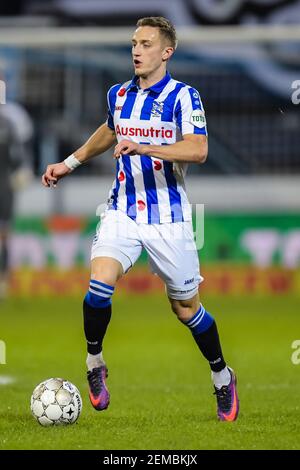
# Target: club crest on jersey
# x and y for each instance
(157, 108)
(198, 118)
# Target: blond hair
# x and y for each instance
(165, 27)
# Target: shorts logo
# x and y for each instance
(216, 361)
(95, 239)
(184, 291)
(198, 118)
(188, 281)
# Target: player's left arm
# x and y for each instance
(192, 149)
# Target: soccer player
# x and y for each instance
(159, 125)
(6, 197)
(15, 133)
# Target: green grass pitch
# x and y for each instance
(161, 393)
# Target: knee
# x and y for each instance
(106, 270)
(183, 309)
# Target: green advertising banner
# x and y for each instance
(258, 239)
(241, 253)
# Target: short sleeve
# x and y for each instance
(111, 103)
(110, 120)
(189, 112)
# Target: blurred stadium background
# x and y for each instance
(58, 58)
(245, 72)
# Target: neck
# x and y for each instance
(154, 77)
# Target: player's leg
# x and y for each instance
(105, 272)
(204, 330)
(115, 249)
(205, 333)
(173, 256)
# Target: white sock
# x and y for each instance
(94, 360)
(221, 378)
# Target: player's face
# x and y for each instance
(149, 51)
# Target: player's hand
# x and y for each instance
(54, 173)
(126, 147)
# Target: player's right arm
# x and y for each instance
(102, 139)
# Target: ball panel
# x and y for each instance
(78, 406)
(37, 392)
(37, 408)
(69, 386)
(68, 412)
(48, 397)
(54, 384)
(63, 421)
(44, 421)
(63, 397)
(53, 412)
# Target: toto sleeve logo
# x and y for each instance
(198, 118)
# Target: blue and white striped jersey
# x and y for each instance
(150, 190)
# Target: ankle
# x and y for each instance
(95, 360)
(221, 378)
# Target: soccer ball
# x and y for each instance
(56, 401)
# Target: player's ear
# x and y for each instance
(167, 53)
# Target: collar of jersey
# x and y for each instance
(157, 87)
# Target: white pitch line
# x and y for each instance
(6, 379)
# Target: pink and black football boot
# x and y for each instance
(98, 392)
(227, 400)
